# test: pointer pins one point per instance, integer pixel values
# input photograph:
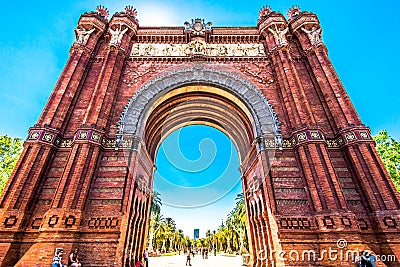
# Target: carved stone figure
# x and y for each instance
(195, 47)
(117, 34)
(82, 35)
(314, 35)
(279, 35)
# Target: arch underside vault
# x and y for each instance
(199, 95)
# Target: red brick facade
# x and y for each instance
(83, 180)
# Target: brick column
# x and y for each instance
(121, 30)
(66, 92)
(44, 138)
(129, 222)
(255, 223)
(373, 178)
(273, 27)
(85, 153)
(307, 29)
(251, 231)
(328, 194)
(265, 238)
(18, 197)
(258, 188)
(134, 220)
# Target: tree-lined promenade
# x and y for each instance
(230, 237)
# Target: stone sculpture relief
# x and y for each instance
(314, 35)
(197, 47)
(117, 34)
(82, 35)
(279, 35)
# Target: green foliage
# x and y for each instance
(156, 203)
(10, 149)
(389, 150)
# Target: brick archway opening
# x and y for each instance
(225, 102)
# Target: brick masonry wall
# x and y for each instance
(71, 188)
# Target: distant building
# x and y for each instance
(196, 234)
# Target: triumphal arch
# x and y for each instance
(312, 179)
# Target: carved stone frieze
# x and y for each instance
(197, 48)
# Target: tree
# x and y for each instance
(170, 229)
(179, 240)
(10, 149)
(389, 150)
(156, 222)
(155, 203)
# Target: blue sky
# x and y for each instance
(198, 177)
(361, 37)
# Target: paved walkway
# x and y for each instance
(197, 261)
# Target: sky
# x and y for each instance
(197, 177)
(361, 37)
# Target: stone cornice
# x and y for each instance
(303, 19)
(91, 20)
(126, 21)
(273, 18)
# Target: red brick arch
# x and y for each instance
(81, 179)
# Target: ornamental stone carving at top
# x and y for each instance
(131, 11)
(314, 35)
(294, 12)
(279, 35)
(82, 35)
(197, 27)
(264, 11)
(117, 34)
(197, 47)
(102, 11)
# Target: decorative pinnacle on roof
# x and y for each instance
(131, 11)
(198, 27)
(264, 11)
(102, 11)
(294, 12)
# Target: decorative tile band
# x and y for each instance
(298, 138)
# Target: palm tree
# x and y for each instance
(170, 228)
(214, 240)
(162, 237)
(155, 202)
(228, 235)
(156, 222)
(238, 222)
(178, 240)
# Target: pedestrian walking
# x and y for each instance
(189, 251)
(146, 257)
